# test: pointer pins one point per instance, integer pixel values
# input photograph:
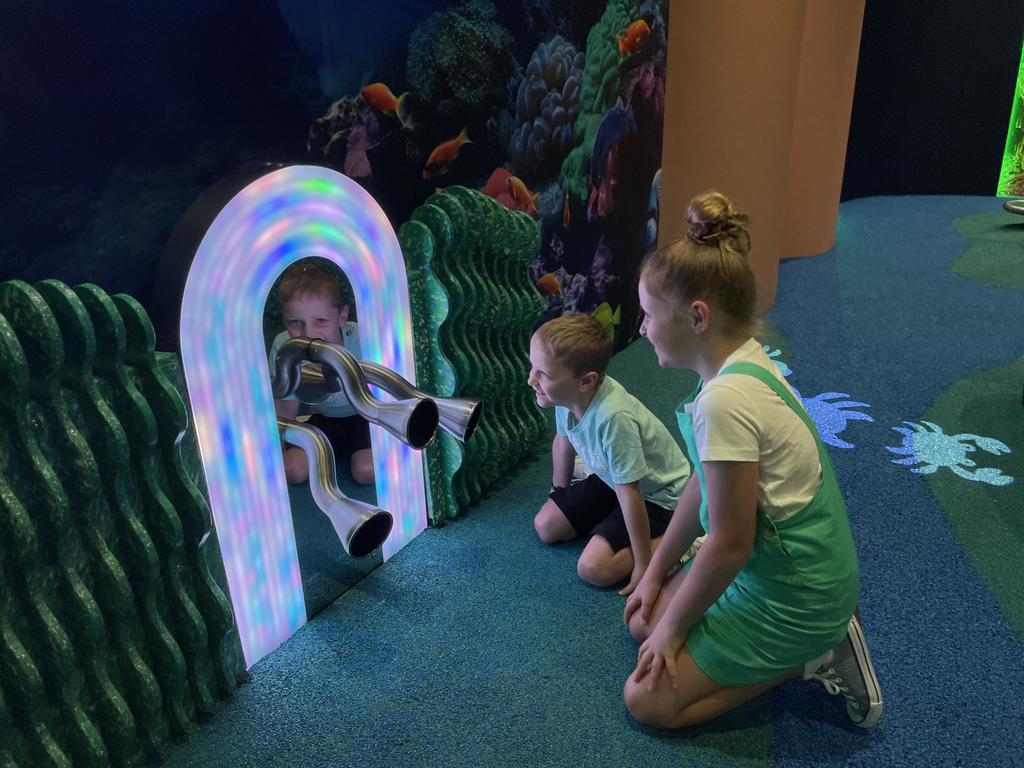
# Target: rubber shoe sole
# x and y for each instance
(867, 670)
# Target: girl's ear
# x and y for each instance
(700, 316)
(343, 314)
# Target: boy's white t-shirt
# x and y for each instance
(739, 418)
(337, 405)
(623, 442)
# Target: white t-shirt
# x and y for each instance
(337, 405)
(739, 418)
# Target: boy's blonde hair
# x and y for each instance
(709, 263)
(579, 342)
(306, 279)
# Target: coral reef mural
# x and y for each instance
(546, 107)
(551, 107)
(554, 109)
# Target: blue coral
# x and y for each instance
(546, 107)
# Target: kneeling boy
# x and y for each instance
(638, 469)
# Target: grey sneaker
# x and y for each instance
(851, 673)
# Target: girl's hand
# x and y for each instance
(643, 598)
(658, 653)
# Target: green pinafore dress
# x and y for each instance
(793, 598)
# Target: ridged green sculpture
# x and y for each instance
(478, 252)
(113, 634)
(429, 305)
(190, 503)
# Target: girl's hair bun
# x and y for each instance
(714, 220)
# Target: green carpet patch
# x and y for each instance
(988, 520)
(995, 256)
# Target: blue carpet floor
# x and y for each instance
(478, 646)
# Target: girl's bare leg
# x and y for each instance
(696, 699)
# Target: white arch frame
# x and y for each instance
(284, 216)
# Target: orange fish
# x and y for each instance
(634, 38)
(548, 284)
(521, 194)
(444, 154)
(566, 212)
(380, 97)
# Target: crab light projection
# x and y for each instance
(828, 415)
(831, 416)
(284, 216)
(928, 446)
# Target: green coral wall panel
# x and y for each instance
(113, 635)
(213, 626)
(428, 302)
(473, 329)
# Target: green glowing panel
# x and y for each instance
(1011, 176)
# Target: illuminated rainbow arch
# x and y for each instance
(284, 216)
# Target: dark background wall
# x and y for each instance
(115, 116)
(932, 102)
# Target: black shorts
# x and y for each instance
(591, 507)
(346, 434)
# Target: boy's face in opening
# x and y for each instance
(554, 383)
(314, 317)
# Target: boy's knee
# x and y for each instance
(551, 525)
(362, 475)
(542, 525)
(296, 469)
(595, 571)
(362, 469)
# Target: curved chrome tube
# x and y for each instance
(458, 416)
(413, 421)
(286, 369)
(314, 387)
(360, 527)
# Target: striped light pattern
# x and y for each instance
(287, 215)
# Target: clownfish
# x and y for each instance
(444, 154)
(633, 39)
(517, 189)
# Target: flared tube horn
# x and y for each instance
(413, 421)
(360, 527)
(458, 416)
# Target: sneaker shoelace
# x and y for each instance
(833, 682)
